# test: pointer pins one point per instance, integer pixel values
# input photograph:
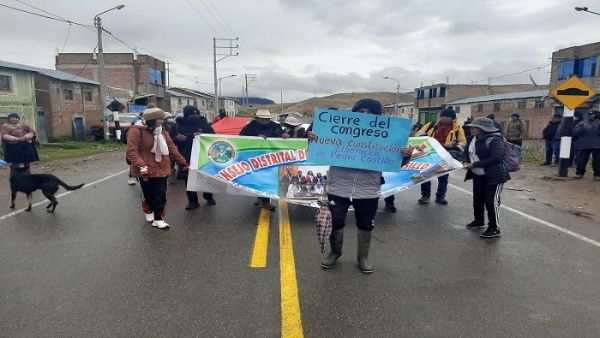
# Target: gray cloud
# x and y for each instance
(317, 47)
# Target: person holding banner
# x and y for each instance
(262, 126)
(187, 128)
(484, 158)
(357, 187)
(150, 150)
(450, 135)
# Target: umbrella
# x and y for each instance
(230, 125)
(323, 222)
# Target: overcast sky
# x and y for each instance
(315, 47)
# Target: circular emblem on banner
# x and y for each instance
(221, 152)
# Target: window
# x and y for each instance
(457, 110)
(521, 104)
(497, 106)
(179, 102)
(6, 84)
(443, 92)
(585, 67)
(480, 108)
(155, 76)
(68, 94)
(539, 104)
(87, 96)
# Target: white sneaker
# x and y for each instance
(131, 181)
(160, 224)
(149, 217)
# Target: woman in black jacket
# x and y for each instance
(485, 164)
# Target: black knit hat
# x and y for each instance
(372, 105)
(448, 112)
(11, 115)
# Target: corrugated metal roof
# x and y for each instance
(178, 94)
(55, 74)
(400, 104)
(499, 97)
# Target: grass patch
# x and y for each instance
(534, 155)
(74, 149)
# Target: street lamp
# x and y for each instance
(585, 9)
(101, 74)
(397, 91)
(224, 77)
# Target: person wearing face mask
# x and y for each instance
(452, 137)
(357, 187)
(151, 150)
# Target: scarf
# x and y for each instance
(14, 129)
(160, 145)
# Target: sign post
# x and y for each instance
(571, 93)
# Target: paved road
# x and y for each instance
(95, 268)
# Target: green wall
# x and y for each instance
(22, 101)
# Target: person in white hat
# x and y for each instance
(262, 126)
(293, 128)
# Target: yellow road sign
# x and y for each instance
(573, 92)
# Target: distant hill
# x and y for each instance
(340, 101)
(254, 101)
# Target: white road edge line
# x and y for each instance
(64, 194)
(539, 220)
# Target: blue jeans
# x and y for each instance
(441, 190)
(552, 148)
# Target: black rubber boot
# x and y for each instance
(336, 240)
(362, 252)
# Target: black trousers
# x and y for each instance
(154, 190)
(192, 196)
(517, 142)
(364, 211)
(583, 157)
(486, 197)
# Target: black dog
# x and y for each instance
(28, 183)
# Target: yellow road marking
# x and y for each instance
(261, 241)
(291, 322)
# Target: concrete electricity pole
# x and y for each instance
(101, 73)
(397, 93)
(249, 79)
(227, 51)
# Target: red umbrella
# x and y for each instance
(230, 125)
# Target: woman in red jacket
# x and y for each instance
(150, 150)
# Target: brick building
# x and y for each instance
(581, 61)
(143, 75)
(405, 109)
(65, 105)
(430, 100)
(534, 107)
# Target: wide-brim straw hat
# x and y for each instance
(484, 124)
(292, 121)
(263, 114)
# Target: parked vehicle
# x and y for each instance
(124, 123)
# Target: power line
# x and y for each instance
(67, 38)
(202, 16)
(214, 17)
(45, 16)
(222, 18)
(512, 74)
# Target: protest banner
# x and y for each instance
(277, 168)
(358, 140)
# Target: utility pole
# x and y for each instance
(102, 78)
(101, 73)
(397, 93)
(168, 74)
(249, 79)
(222, 52)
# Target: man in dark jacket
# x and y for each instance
(496, 123)
(588, 143)
(262, 126)
(485, 155)
(185, 130)
(552, 144)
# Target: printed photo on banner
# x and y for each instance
(302, 181)
(358, 140)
